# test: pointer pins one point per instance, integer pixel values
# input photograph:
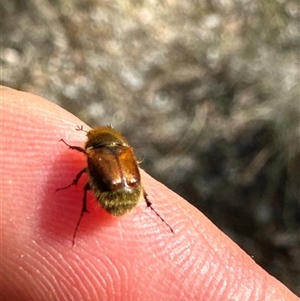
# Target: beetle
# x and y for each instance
(113, 173)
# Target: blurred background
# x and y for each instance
(206, 91)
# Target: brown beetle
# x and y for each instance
(113, 173)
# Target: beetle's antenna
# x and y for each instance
(80, 128)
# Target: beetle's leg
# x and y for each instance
(149, 204)
(75, 181)
(78, 148)
(83, 209)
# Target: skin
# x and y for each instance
(132, 257)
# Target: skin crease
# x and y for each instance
(132, 257)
